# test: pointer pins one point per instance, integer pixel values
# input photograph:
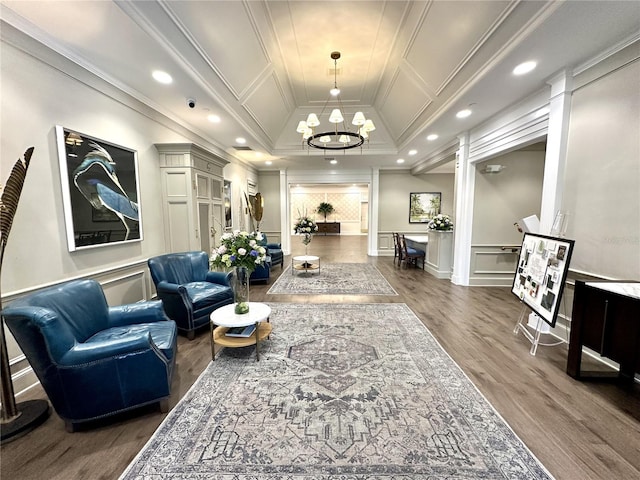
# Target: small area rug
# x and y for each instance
(348, 392)
(334, 279)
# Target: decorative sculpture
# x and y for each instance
(16, 419)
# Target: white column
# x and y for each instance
(285, 208)
(556, 154)
(374, 197)
(463, 227)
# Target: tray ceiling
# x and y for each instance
(262, 66)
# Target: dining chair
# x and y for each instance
(410, 254)
(397, 250)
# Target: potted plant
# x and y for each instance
(325, 209)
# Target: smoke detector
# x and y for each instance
(493, 169)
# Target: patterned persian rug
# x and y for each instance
(334, 279)
(348, 392)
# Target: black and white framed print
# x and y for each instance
(100, 191)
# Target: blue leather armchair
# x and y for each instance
(188, 289)
(91, 359)
(274, 250)
(262, 272)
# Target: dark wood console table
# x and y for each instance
(328, 227)
(606, 318)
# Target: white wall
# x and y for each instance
(35, 98)
(39, 90)
(500, 200)
(269, 187)
(503, 198)
(395, 188)
(602, 185)
(346, 200)
(393, 203)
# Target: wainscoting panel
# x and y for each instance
(492, 265)
(122, 285)
(178, 224)
(125, 289)
(385, 244)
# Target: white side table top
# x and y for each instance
(306, 258)
(226, 317)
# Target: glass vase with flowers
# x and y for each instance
(305, 226)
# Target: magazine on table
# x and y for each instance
(241, 331)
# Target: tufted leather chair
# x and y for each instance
(188, 289)
(91, 359)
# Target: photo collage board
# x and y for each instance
(541, 273)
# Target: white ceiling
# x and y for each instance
(264, 65)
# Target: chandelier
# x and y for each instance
(341, 137)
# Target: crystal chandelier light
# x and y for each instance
(341, 137)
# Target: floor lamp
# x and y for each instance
(16, 419)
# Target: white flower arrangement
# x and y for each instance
(441, 222)
(305, 226)
(239, 249)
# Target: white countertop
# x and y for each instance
(621, 288)
(417, 238)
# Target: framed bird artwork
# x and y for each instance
(100, 191)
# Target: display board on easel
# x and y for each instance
(541, 273)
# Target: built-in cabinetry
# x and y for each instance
(192, 196)
(328, 227)
(440, 254)
(606, 319)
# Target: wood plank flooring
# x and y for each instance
(578, 430)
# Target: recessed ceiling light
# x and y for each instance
(161, 77)
(241, 141)
(413, 152)
(213, 118)
(432, 137)
(268, 162)
(258, 154)
(333, 162)
(525, 67)
(463, 113)
(400, 160)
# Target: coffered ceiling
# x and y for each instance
(262, 66)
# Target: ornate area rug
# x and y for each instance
(334, 279)
(340, 392)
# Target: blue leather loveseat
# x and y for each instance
(91, 359)
(188, 289)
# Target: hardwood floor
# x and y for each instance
(578, 430)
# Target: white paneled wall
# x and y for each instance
(346, 200)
